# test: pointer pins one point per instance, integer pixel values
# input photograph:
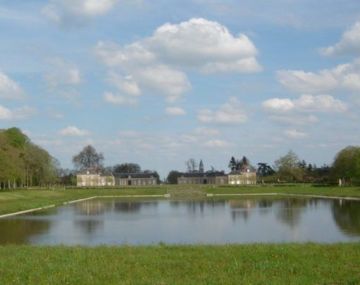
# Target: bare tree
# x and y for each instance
(191, 165)
(88, 158)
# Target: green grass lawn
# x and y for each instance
(229, 264)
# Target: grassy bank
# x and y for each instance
(231, 264)
(18, 200)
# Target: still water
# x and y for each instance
(115, 222)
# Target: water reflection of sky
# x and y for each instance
(211, 221)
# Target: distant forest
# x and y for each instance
(24, 164)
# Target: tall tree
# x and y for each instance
(201, 167)
(288, 168)
(127, 168)
(264, 169)
(173, 176)
(347, 164)
(232, 164)
(88, 159)
(23, 163)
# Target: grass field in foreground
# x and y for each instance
(229, 264)
(18, 200)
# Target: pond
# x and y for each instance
(114, 222)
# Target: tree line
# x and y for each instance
(24, 164)
(289, 168)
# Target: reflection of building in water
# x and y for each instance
(347, 216)
(217, 177)
(90, 208)
(92, 178)
(241, 208)
(135, 179)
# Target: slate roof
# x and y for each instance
(135, 175)
(205, 174)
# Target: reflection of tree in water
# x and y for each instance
(132, 206)
(289, 211)
(265, 205)
(194, 206)
(347, 216)
(19, 231)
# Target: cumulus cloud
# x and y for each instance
(175, 111)
(72, 131)
(164, 80)
(305, 103)
(348, 44)
(231, 112)
(295, 134)
(66, 12)
(204, 44)
(16, 114)
(112, 98)
(9, 89)
(301, 111)
(342, 77)
(124, 84)
(158, 63)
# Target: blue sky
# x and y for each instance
(158, 82)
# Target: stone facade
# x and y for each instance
(94, 180)
(218, 178)
(247, 177)
(135, 179)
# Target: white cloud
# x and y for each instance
(66, 12)
(207, 131)
(127, 56)
(72, 131)
(175, 111)
(320, 103)
(295, 134)
(348, 44)
(342, 77)
(307, 82)
(9, 89)
(231, 112)
(143, 72)
(164, 80)
(112, 98)
(157, 63)
(204, 44)
(125, 84)
(16, 114)
(278, 105)
(217, 143)
(305, 103)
